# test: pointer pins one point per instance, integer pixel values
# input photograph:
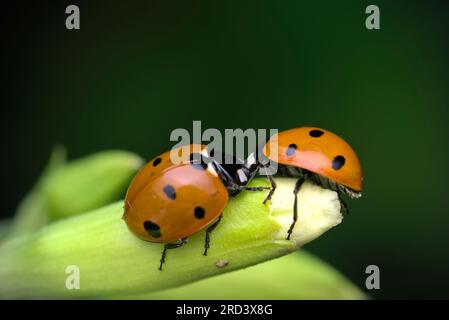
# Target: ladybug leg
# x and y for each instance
(170, 246)
(208, 231)
(295, 206)
(273, 187)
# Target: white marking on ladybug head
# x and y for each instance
(204, 152)
(251, 160)
(242, 176)
(211, 169)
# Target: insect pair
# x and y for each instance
(167, 203)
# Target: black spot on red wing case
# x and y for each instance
(291, 149)
(170, 192)
(199, 213)
(315, 133)
(152, 229)
(156, 162)
(338, 162)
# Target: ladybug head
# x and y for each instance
(249, 168)
(234, 171)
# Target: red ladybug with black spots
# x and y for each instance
(318, 155)
(167, 203)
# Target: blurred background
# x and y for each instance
(137, 70)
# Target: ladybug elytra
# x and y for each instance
(167, 203)
(318, 155)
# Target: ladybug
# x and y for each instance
(318, 155)
(167, 202)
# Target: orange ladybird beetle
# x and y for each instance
(167, 203)
(317, 155)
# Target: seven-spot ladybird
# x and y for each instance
(317, 155)
(168, 202)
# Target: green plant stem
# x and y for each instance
(5, 228)
(69, 188)
(296, 276)
(112, 261)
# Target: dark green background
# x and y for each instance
(137, 70)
